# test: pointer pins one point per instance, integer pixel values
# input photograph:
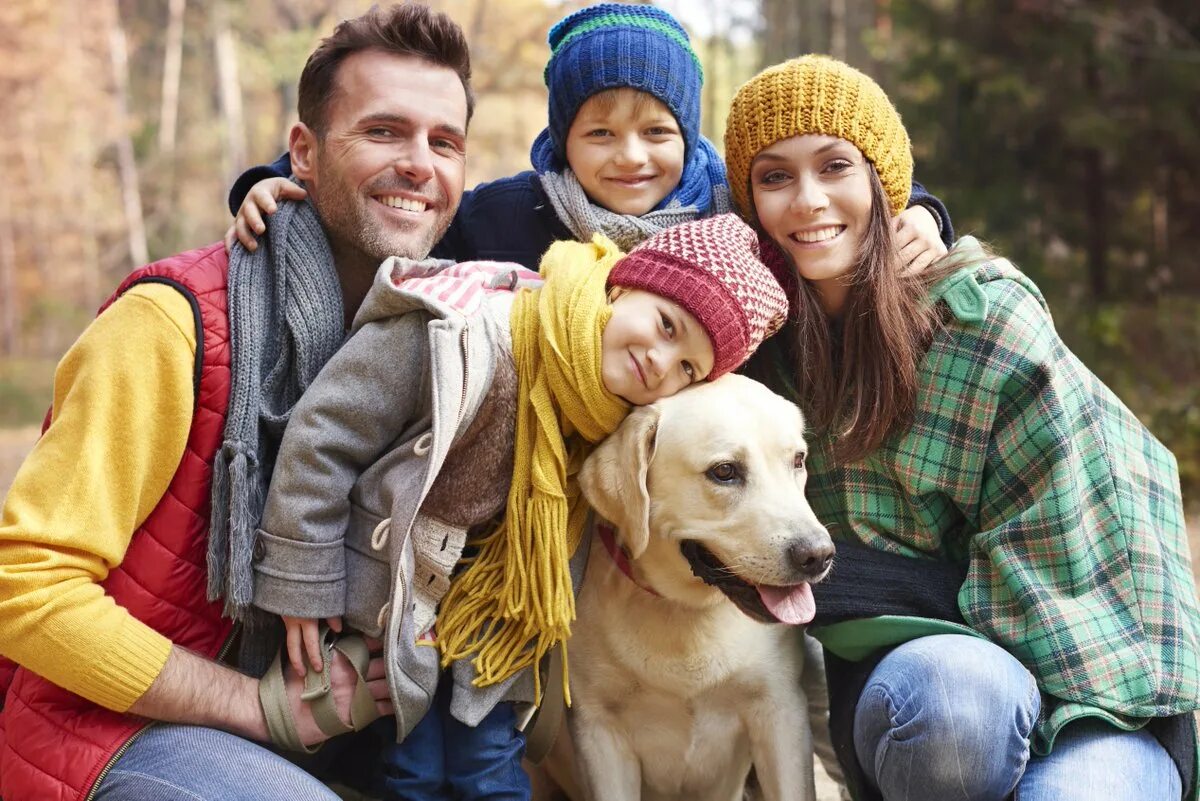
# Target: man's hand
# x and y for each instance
(194, 690)
(342, 679)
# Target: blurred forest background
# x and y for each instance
(1065, 132)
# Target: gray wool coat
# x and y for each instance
(402, 444)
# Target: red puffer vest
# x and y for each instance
(54, 744)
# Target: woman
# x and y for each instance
(1012, 612)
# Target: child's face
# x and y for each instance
(651, 348)
(626, 149)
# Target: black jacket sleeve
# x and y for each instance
(866, 582)
(280, 168)
(920, 197)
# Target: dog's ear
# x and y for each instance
(613, 478)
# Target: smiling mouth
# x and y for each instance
(636, 180)
(791, 604)
(637, 369)
(402, 203)
(818, 236)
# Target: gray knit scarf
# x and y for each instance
(584, 218)
(285, 321)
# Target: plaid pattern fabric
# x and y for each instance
(1066, 512)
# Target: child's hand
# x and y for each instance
(918, 238)
(302, 637)
(249, 224)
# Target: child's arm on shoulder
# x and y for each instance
(918, 239)
(279, 168)
(240, 194)
(248, 225)
(920, 196)
(923, 230)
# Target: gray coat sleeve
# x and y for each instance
(361, 401)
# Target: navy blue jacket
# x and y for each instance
(510, 219)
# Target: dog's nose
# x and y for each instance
(811, 559)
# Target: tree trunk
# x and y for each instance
(83, 155)
(784, 34)
(1095, 187)
(837, 29)
(860, 18)
(477, 21)
(131, 195)
(33, 217)
(883, 22)
(8, 276)
(230, 91)
(708, 120)
(172, 63)
(1160, 216)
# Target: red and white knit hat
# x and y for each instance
(714, 269)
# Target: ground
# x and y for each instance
(15, 443)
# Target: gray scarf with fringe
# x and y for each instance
(285, 322)
(584, 218)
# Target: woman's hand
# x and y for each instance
(917, 238)
(261, 198)
(303, 637)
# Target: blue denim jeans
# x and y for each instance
(169, 762)
(950, 717)
(444, 759)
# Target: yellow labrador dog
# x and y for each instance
(685, 659)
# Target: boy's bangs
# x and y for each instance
(606, 100)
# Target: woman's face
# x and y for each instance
(812, 194)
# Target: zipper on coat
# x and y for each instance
(112, 760)
(466, 355)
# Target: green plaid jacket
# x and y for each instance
(1022, 467)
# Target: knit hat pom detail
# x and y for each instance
(816, 94)
(713, 269)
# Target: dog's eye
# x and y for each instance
(798, 460)
(725, 473)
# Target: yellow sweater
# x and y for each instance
(122, 413)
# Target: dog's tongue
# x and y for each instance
(793, 605)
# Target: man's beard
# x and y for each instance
(348, 221)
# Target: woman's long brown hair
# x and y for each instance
(860, 383)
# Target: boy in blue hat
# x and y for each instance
(622, 153)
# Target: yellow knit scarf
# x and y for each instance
(514, 600)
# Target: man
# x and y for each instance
(126, 539)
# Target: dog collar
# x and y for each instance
(608, 536)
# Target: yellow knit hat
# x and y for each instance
(817, 95)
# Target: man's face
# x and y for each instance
(388, 175)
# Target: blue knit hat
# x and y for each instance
(614, 45)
